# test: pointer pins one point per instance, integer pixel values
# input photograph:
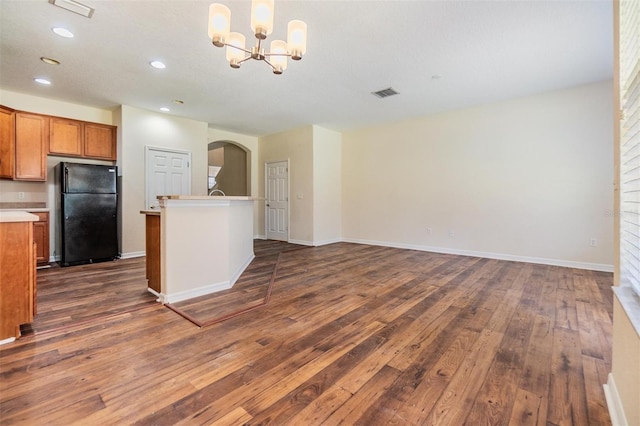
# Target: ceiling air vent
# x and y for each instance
(74, 6)
(385, 93)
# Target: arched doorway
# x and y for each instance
(234, 161)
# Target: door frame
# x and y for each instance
(266, 193)
(147, 149)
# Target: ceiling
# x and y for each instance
(483, 51)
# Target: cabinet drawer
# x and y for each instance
(42, 216)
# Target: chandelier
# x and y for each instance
(262, 25)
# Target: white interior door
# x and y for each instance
(168, 172)
(277, 203)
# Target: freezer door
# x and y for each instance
(88, 178)
(89, 228)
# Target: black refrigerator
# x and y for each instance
(88, 213)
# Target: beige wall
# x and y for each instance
(528, 179)
(140, 128)
(297, 147)
(232, 178)
(327, 186)
(626, 363)
(251, 144)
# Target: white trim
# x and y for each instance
(630, 302)
(241, 269)
(326, 242)
(155, 293)
(7, 340)
(489, 255)
(133, 254)
(204, 290)
(196, 292)
(614, 404)
(301, 242)
(259, 237)
(197, 203)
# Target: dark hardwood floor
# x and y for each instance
(353, 334)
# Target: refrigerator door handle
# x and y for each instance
(66, 179)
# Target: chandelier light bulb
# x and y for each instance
(262, 18)
(297, 39)
(219, 24)
(236, 49)
(278, 56)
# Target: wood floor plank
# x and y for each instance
(353, 334)
(567, 385)
(528, 409)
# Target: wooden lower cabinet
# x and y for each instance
(17, 277)
(153, 251)
(41, 237)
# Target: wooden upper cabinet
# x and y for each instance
(31, 135)
(100, 141)
(7, 142)
(65, 137)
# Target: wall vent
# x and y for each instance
(385, 93)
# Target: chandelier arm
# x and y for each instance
(288, 55)
(244, 60)
(239, 48)
(270, 64)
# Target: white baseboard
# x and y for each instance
(193, 293)
(7, 340)
(259, 237)
(301, 242)
(614, 404)
(488, 255)
(133, 254)
(326, 242)
(204, 290)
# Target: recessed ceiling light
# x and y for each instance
(62, 32)
(157, 64)
(165, 109)
(42, 81)
(436, 76)
(49, 61)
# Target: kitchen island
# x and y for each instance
(197, 245)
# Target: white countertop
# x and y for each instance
(38, 209)
(209, 197)
(17, 216)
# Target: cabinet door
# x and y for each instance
(32, 131)
(65, 136)
(99, 141)
(41, 237)
(7, 142)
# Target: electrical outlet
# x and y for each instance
(21, 195)
(429, 231)
(593, 242)
(451, 234)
